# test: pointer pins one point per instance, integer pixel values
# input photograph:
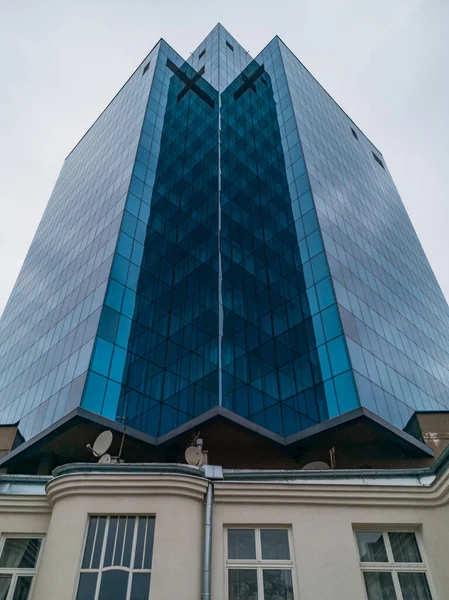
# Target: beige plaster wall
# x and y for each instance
(177, 542)
(325, 553)
(322, 522)
(32, 523)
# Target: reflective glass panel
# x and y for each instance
(22, 589)
(113, 585)
(277, 584)
(20, 553)
(5, 582)
(86, 587)
(242, 584)
(241, 544)
(414, 586)
(379, 586)
(405, 547)
(274, 544)
(371, 547)
(140, 586)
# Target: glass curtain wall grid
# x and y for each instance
(49, 325)
(223, 236)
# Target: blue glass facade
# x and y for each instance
(394, 315)
(171, 370)
(48, 328)
(271, 368)
(223, 236)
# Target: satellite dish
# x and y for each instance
(105, 459)
(102, 443)
(194, 456)
(317, 465)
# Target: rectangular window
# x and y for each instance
(202, 54)
(117, 559)
(259, 564)
(230, 46)
(377, 159)
(354, 133)
(392, 566)
(18, 564)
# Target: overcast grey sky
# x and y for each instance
(61, 61)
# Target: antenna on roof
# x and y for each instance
(194, 454)
(101, 446)
(317, 465)
(125, 424)
(103, 443)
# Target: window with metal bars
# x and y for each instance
(117, 559)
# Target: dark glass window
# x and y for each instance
(202, 54)
(379, 586)
(354, 133)
(114, 584)
(86, 586)
(414, 586)
(372, 547)
(242, 544)
(392, 566)
(20, 553)
(230, 46)
(23, 587)
(242, 584)
(145, 69)
(259, 564)
(19, 556)
(128, 548)
(274, 544)
(277, 584)
(378, 160)
(405, 547)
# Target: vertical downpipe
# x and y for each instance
(207, 564)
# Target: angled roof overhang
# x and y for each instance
(231, 440)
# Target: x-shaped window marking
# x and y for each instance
(190, 83)
(248, 82)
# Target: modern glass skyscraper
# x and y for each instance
(224, 239)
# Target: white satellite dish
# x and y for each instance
(317, 465)
(194, 456)
(102, 443)
(105, 459)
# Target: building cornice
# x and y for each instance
(421, 488)
(337, 492)
(123, 483)
(24, 504)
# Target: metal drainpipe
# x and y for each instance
(207, 567)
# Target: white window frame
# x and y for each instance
(101, 569)
(258, 563)
(15, 573)
(391, 566)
